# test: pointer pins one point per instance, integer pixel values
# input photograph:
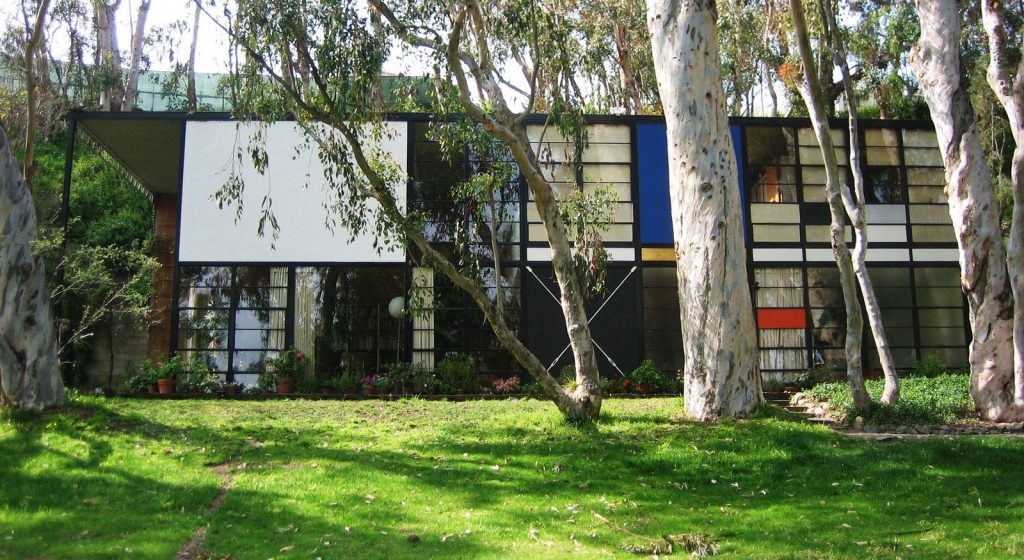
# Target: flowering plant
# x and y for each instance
(507, 386)
(287, 365)
(369, 380)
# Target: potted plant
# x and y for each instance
(458, 371)
(286, 369)
(232, 388)
(369, 385)
(144, 380)
(167, 375)
(383, 383)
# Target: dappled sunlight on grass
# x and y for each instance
(488, 479)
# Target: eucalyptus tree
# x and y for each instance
(29, 367)
(470, 46)
(843, 202)
(29, 372)
(1006, 78)
(721, 371)
(937, 64)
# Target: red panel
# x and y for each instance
(781, 318)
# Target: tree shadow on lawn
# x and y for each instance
(745, 482)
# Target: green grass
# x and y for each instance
(923, 400)
(487, 479)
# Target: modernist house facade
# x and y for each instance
(233, 298)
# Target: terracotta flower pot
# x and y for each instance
(231, 389)
(166, 386)
(368, 391)
(285, 386)
(152, 389)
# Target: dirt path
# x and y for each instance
(193, 549)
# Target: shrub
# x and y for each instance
(818, 375)
(923, 400)
(458, 372)
(347, 382)
(507, 386)
(145, 378)
(929, 366)
(410, 375)
(651, 378)
(198, 378)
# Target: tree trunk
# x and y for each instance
(30, 88)
(131, 86)
(190, 92)
(935, 61)
(857, 213)
(1009, 89)
(625, 62)
(722, 377)
(811, 92)
(108, 54)
(29, 372)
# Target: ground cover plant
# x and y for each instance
(106, 478)
(939, 399)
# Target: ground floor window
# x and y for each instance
(663, 341)
(233, 318)
(345, 319)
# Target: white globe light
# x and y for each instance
(396, 308)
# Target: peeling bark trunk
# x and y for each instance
(935, 61)
(29, 372)
(108, 53)
(131, 86)
(721, 370)
(811, 92)
(857, 213)
(1009, 89)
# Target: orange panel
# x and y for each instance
(791, 318)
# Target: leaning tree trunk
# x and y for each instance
(1009, 89)
(131, 86)
(810, 90)
(935, 61)
(721, 376)
(29, 372)
(858, 212)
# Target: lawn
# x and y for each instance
(488, 479)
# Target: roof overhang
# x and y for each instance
(148, 146)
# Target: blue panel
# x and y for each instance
(737, 146)
(652, 171)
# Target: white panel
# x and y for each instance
(820, 255)
(778, 255)
(211, 234)
(925, 255)
(890, 255)
(886, 214)
(887, 234)
(615, 254)
(770, 213)
(619, 254)
(538, 254)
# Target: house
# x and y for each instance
(233, 298)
